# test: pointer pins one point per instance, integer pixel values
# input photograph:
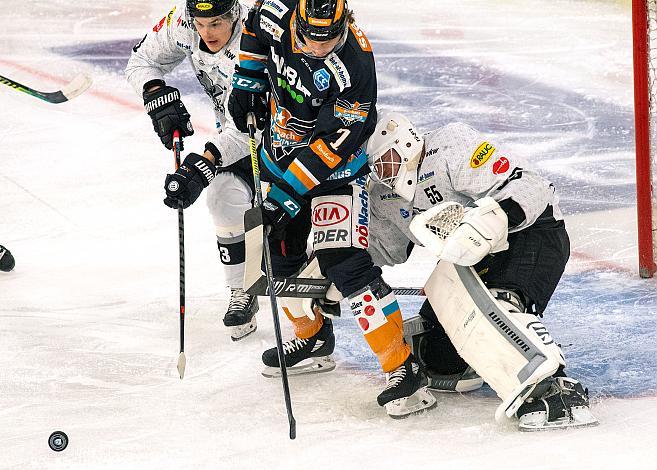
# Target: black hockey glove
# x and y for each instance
(248, 96)
(168, 113)
(277, 211)
(186, 184)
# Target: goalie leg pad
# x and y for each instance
(504, 347)
(377, 313)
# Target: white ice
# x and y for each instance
(89, 317)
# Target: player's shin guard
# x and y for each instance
(377, 312)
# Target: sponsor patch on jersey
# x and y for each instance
(481, 155)
(363, 42)
(425, 176)
(329, 213)
(322, 79)
(270, 27)
(502, 165)
(350, 113)
(361, 214)
(158, 27)
(337, 67)
(404, 213)
(275, 7)
(170, 15)
(390, 197)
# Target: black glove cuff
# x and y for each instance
(514, 212)
(218, 160)
(152, 83)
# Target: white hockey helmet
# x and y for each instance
(398, 169)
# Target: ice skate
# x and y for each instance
(240, 317)
(465, 381)
(406, 391)
(556, 402)
(303, 356)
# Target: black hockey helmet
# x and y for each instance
(321, 20)
(209, 8)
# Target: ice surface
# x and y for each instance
(89, 317)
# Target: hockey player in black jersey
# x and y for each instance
(307, 73)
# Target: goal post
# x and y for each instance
(644, 27)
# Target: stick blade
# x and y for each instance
(77, 86)
(182, 362)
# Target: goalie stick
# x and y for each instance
(72, 89)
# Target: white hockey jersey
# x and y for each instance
(166, 46)
(460, 165)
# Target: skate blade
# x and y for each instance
(582, 417)
(462, 386)
(419, 402)
(242, 331)
(314, 365)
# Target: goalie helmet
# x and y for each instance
(210, 8)
(394, 152)
(321, 20)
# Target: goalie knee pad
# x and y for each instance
(510, 349)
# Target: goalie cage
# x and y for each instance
(644, 26)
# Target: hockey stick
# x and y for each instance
(256, 213)
(74, 88)
(182, 361)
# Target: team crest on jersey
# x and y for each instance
(214, 91)
(289, 132)
(350, 113)
(481, 155)
(322, 79)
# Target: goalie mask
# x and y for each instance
(394, 152)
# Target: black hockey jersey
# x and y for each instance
(322, 110)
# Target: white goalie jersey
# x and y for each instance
(460, 165)
(167, 45)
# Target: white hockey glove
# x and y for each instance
(483, 230)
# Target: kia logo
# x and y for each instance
(329, 213)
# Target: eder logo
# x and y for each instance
(481, 155)
(329, 213)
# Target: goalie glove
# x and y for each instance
(482, 230)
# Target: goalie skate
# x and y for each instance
(466, 381)
(303, 356)
(406, 391)
(240, 317)
(556, 403)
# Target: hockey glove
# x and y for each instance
(186, 184)
(483, 230)
(248, 96)
(277, 211)
(168, 113)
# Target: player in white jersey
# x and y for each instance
(511, 232)
(207, 32)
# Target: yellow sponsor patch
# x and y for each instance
(481, 155)
(203, 6)
(170, 15)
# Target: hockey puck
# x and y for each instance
(58, 441)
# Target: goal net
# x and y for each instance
(644, 25)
